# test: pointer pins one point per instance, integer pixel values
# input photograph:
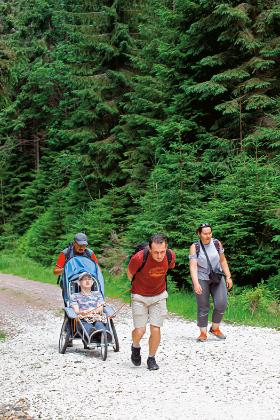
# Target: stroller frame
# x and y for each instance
(72, 327)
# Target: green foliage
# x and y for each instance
(243, 213)
(20, 265)
(8, 238)
(123, 118)
(39, 240)
(259, 299)
(266, 310)
(273, 284)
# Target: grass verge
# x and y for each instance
(26, 268)
(251, 307)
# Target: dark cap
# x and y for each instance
(81, 239)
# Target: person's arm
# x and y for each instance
(94, 257)
(193, 270)
(129, 275)
(59, 266)
(99, 308)
(75, 308)
(57, 271)
(225, 268)
(134, 264)
(99, 305)
(74, 304)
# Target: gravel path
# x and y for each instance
(234, 379)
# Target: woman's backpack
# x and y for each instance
(216, 242)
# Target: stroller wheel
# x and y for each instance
(86, 347)
(116, 345)
(64, 338)
(104, 345)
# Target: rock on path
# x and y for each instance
(234, 379)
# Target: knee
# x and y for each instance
(221, 306)
(155, 330)
(204, 308)
(139, 332)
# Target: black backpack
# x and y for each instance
(215, 241)
(144, 246)
(69, 252)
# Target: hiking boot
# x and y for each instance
(135, 355)
(202, 337)
(152, 364)
(217, 333)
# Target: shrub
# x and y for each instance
(273, 284)
(257, 299)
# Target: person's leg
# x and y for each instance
(140, 318)
(137, 334)
(157, 314)
(87, 326)
(154, 340)
(203, 306)
(219, 295)
(98, 325)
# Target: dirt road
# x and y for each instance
(234, 379)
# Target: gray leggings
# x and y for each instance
(219, 295)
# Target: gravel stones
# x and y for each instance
(237, 378)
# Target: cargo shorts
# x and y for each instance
(150, 309)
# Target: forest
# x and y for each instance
(122, 118)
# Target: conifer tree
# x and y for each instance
(125, 117)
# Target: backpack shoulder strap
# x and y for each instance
(217, 244)
(65, 251)
(88, 253)
(197, 248)
(215, 241)
(169, 259)
(145, 257)
(169, 256)
(68, 252)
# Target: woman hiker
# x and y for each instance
(207, 256)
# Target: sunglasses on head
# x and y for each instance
(203, 225)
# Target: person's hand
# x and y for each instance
(197, 288)
(229, 283)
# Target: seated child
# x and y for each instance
(88, 305)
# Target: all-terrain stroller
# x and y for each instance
(72, 327)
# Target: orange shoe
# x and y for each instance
(202, 337)
(217, 333)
